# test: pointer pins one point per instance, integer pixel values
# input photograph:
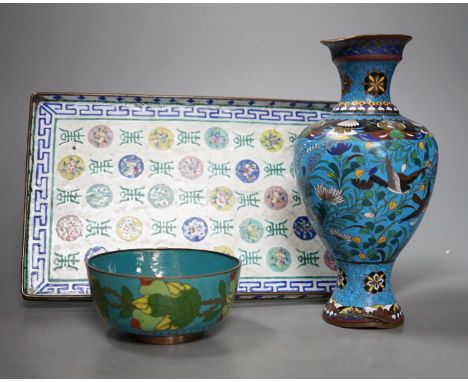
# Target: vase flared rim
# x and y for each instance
(383, 36)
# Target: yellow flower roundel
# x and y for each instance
(71, 167)
(129, 228)
(271, 140)
(161, 138)
(222, 198)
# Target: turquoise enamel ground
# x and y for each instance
(366, 175)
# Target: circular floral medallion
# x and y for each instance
(160, 196)
(341, 279)
(329, 260)
(276, 198)
(251, 230)
(216, 138)
(303, 228)
(131, 166)
(194, 229)
(94, 251)
(161, 138)
(191, 167)
(271, 140)
(247, 171)
(69, 228)
(99, 196)
(71, 167)
(278, 259)
(222, 198)
(129, 228)
(375, 282)
(224, 249)
(100, 136)
(375, 83)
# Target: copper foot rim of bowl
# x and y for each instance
(169, 340)
(363, 322)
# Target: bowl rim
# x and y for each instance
(94, 269)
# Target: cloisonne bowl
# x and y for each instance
(163, 296)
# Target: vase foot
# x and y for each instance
(377, 316)
(169, 340)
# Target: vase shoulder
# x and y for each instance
(366, 128)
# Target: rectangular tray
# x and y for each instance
(101, 168)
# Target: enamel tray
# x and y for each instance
(108, 172)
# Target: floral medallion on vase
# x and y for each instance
(366, 174)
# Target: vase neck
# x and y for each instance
(366, 65)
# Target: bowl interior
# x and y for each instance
(163, 262)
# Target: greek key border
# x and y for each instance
(46, 108)
(197, 112)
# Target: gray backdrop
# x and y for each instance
(257, 51)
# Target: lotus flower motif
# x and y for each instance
(329, 194)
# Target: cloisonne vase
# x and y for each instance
(366, 174)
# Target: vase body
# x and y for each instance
(366, 174)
